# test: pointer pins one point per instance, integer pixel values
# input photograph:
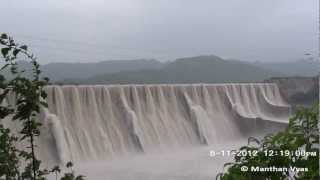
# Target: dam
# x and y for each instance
(162, 131)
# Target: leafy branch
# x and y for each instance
(301, 135)
(29, 99)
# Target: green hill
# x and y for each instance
(61, 71)
(200, 69)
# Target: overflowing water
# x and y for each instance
(154, 131)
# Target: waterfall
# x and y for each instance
(98, 122)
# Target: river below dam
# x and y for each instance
(184, 164)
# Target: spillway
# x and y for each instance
(101, 122)
(105, 122)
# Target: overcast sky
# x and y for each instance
(95, 30)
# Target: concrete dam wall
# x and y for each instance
(88, 123)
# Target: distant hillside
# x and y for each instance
(209, 69)
(293, 68)
(59, 71)
(206, 69)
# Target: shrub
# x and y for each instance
(284, 149)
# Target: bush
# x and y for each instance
(282, 150)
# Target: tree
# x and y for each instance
(29, 98)
(296, 146)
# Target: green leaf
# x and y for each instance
(5, 51)
(46, 79)
(16, 52)
(24, 47)
(4, 36)
(56, 169)
(69, 164)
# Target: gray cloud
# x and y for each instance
(93, 30)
